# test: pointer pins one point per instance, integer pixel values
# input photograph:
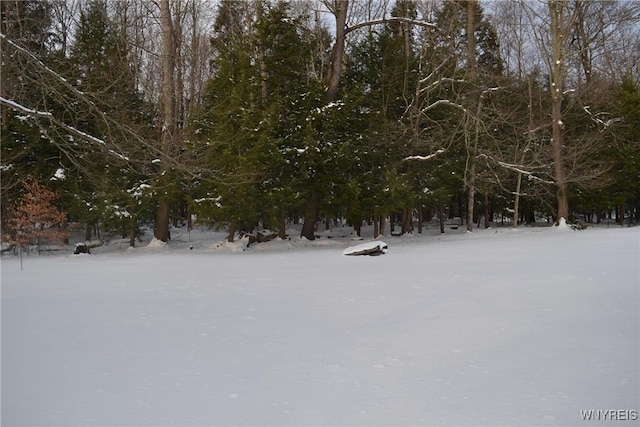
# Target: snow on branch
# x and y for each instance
(45, 114)
(516, 168)
(600, 121)
(438, 82)
(444, 102)
(489, 90)
(430, 156)
(18, 107)
(389, 20)
(120, 156)
(43, 66)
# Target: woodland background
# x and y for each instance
(122, 115)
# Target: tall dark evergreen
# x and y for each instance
(25, 149)
(101, 70)
(223, 136)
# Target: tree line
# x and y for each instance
(247, 114)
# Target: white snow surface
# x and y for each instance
(495, 327)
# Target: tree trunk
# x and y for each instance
(357, 227)
(516, 202)
(376, 226)
(87, 232)
(620, 214)
(310, 224)
(282, 225)
(169, 116)
(582, 40)
(162, 221)
(487, 215)
(471, 190)
(232, 231)
(340, 11)
(132, 232)
(441, 217)
(471, 37)
(471, 151)
(407, 220)
(264, 75)
(559, 32)
(65, 239)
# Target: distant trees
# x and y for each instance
(257, 113)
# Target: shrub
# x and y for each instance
(35, 219)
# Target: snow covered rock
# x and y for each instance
(82, 248)
(369, 248)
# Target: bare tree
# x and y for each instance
(169, 112)
(472, 147)
(339, 9)
(553, 38)
(604, 40)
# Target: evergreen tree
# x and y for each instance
(224, 132)
(102, 71)
(624, 152)
(383, 68)
(25, 149)
(259, 127)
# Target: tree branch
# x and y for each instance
(439, 82)
(516, 168)
(444, 102)
(389, 20)
(430, 156)
(44, 67)
(600, 121)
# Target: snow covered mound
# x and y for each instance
(238, 245)
(156, 243)
(563, 226)
(369, 248)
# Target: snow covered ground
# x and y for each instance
(498, 327)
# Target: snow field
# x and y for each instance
(525, 327)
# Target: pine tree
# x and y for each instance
(624, 152)
(24, 147)
(256, 134)
(223, 136)
(98, 186)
